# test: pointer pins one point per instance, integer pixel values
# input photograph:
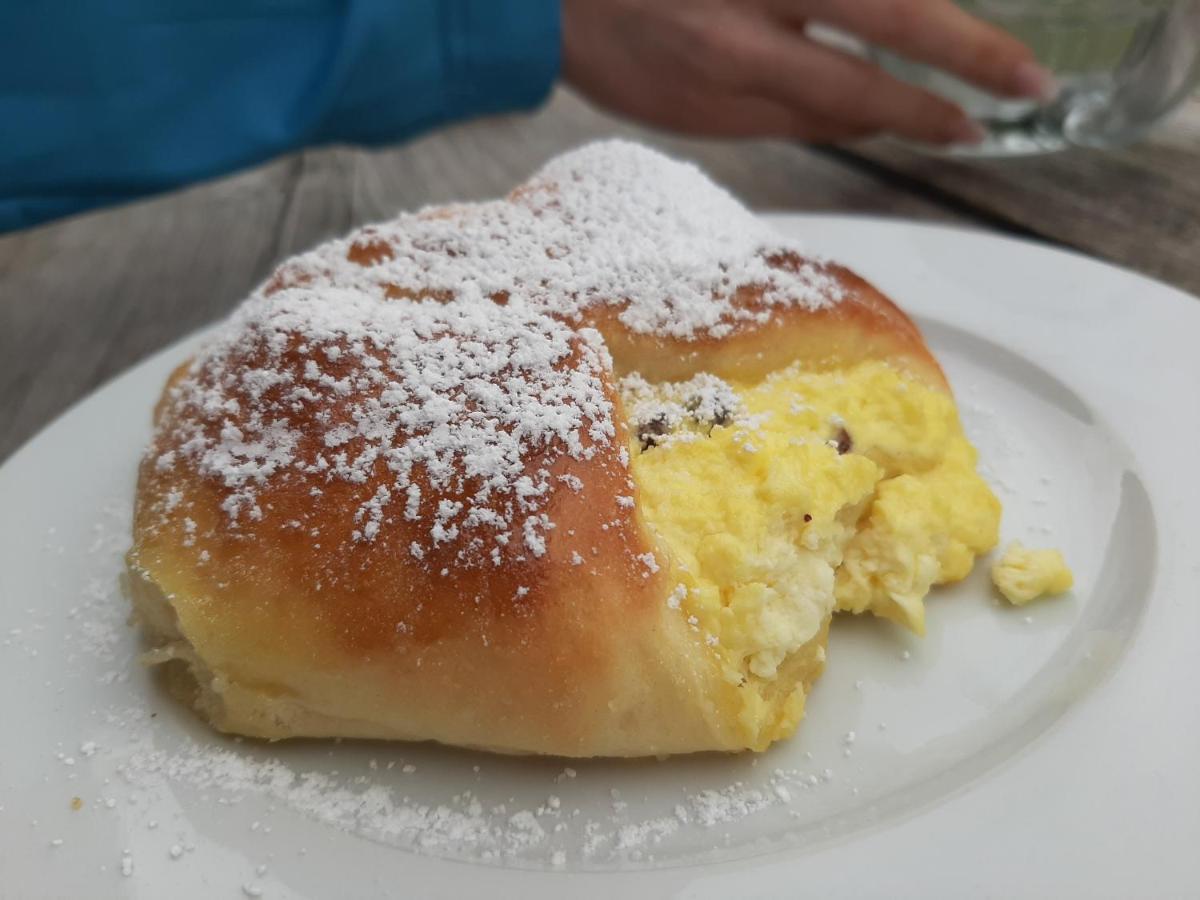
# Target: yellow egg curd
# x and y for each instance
(808, 492)
(1024, 574)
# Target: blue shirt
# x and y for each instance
(104, 101)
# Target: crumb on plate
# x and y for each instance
(1023, 574)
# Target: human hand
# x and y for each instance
(746, 68)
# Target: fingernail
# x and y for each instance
(967, 131)
(1031, 80)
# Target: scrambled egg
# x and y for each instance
(807, 493)
(1024, 574)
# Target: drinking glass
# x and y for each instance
(1121, 66)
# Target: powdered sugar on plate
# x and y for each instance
(143, 754)
(465, 824)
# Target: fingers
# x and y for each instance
(835, 86)
(740, 70)
(937, 32)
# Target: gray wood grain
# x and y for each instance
(83, 299)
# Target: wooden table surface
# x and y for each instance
(83, 299)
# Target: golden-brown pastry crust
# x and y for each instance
(286, 617)
(324, 634)
(863, 325)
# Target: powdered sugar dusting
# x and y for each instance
(661, 414)
(612, 224)
(450, 350)
(465, 824)
(144, 767)
(465, 407)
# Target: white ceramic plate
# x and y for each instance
(1046, 751)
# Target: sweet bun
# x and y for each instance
(433, 481)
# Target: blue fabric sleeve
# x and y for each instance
(103, 101)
